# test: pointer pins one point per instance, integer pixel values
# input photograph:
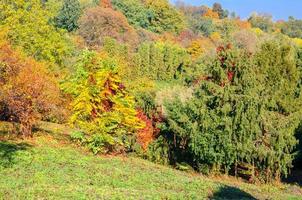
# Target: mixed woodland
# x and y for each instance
(194, 87)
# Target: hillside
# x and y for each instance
(190, 101)
(47, 167)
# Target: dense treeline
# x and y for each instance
(191, 86)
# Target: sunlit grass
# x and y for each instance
(45, 168)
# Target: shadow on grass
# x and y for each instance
(231, 193)
(8, 152)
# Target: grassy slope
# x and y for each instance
(45, 168)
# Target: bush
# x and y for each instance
(28, 90)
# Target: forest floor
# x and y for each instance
(49, 167)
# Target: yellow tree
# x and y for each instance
(28, 27)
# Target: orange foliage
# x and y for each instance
(146, 135)
(243, 24)
(149, 133)
(167, 36)
(27, 90)
(186, 37)
(211, 14)
(99, 22)
(105, 3)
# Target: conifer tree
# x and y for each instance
(243, 115)
(69, 15)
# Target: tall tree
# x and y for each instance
(221, 12)
(101, 108)
(164, 17)
(105, 22)
(244, 113)
(28, 27)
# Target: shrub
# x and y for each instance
(28, 90)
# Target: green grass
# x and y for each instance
(47, 168)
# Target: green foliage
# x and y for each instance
(158, 151)
(195, 20)
(157, 16)
(101, 106)
(245, 112)
(225, 27)
(69, 15)
(264, 22)
(28, 27)
(161, 61)
(203, 25)
(292, 28)
(135, 11)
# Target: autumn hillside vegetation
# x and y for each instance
(194, 88)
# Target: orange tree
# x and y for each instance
(105, 22)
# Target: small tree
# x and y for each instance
(101, 108)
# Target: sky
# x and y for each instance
(280, 9)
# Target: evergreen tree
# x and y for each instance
(243, 115)
(161, 61)
(69, 15)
